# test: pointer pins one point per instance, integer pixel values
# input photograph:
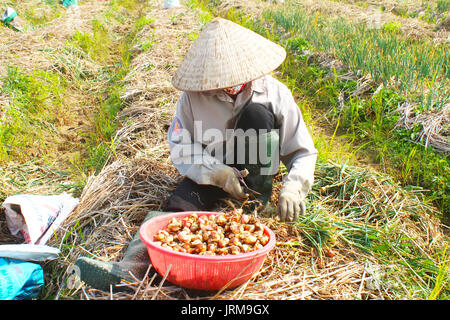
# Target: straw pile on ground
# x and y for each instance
(345, 202)
(434, 130)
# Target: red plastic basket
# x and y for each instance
(198, 271)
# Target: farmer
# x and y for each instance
(233, 125)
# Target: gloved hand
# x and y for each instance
(225, 177)
(290, 203)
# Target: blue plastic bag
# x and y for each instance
(69, 3)
(20, 280)
(9, 15)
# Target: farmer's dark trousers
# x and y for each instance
(190, 196)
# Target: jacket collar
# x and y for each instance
(258, 84)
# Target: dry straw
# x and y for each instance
(434, 125)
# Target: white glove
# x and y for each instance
(290, 203)
(226, 177)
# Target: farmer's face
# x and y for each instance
(234, 90)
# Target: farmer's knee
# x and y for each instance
(256, 116)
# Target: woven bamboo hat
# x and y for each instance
(226, 54)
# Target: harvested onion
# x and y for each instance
(222, 234)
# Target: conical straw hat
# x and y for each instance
(224, 55)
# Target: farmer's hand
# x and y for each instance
(290, 203)
(226, 177)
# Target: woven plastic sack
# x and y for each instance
(20, 280)
(36, 217)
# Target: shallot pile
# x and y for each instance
(222, 234)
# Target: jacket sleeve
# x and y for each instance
(297, 150)
(187, 155)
